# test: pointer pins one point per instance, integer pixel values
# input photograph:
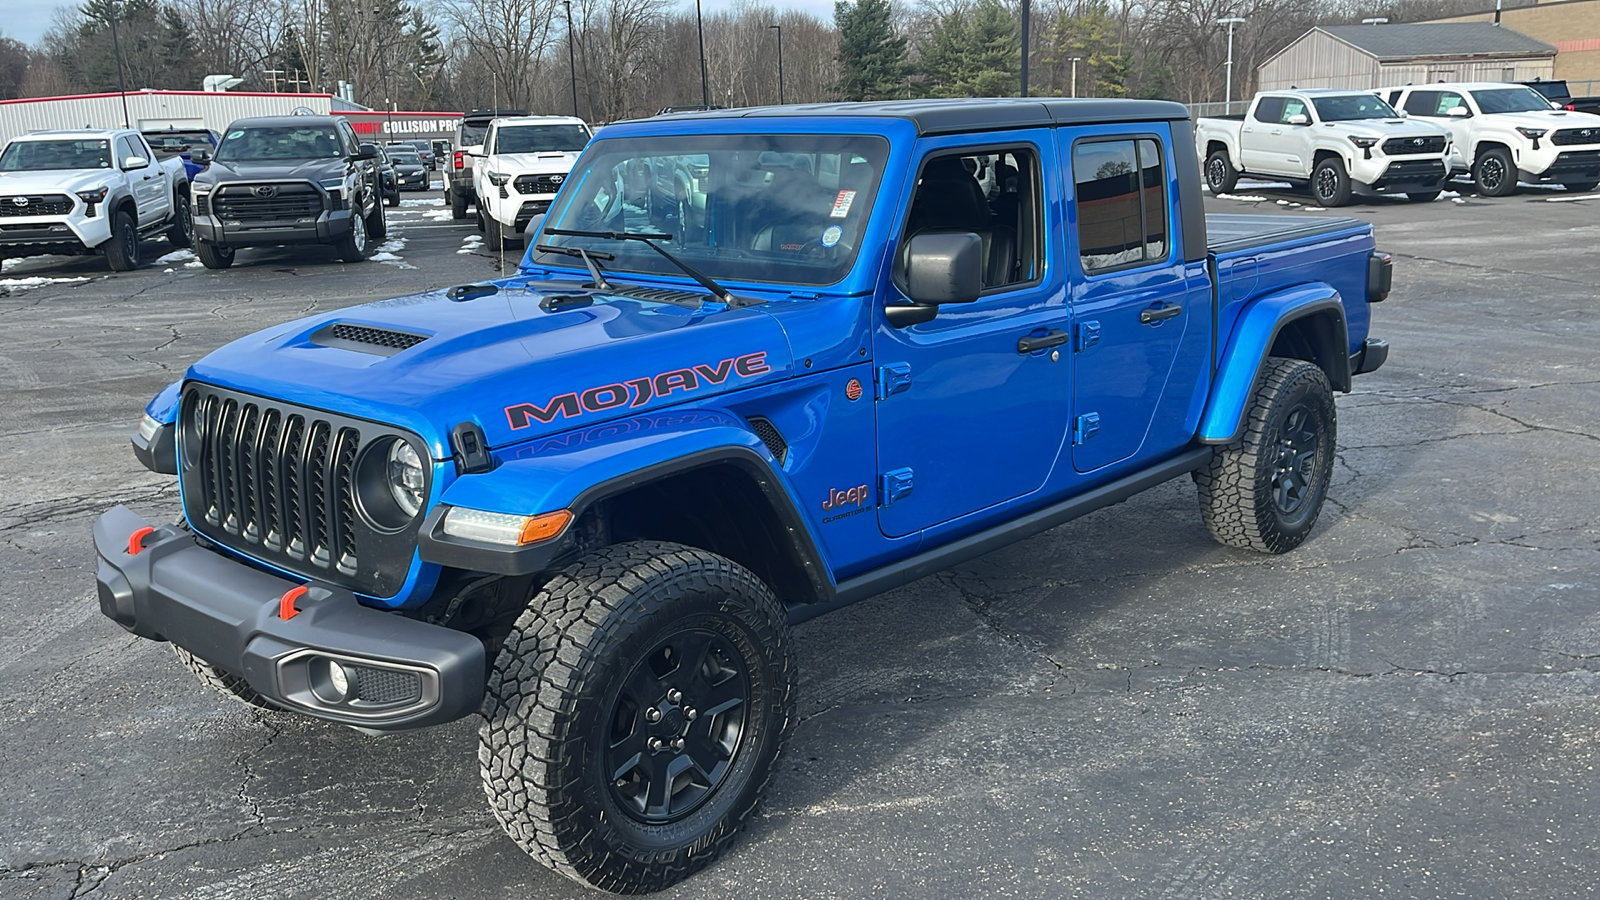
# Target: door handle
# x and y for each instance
(1055, 337)
(1153, 314)
(1277, 131)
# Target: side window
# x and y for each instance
(1293, 107)
(1268, 110)
(125, 149)
(352, 144)
(1423, 103)
(1394, 98)
(1121, 203)
(994, 193)
(1449, 100)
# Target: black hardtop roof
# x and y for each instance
(282, 121)
(981, 114)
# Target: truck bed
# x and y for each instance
(1229, 234)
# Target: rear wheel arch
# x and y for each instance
(1317, 335)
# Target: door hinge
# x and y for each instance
(893, 378)
(1088, 335)
(894, 485)
(1086, 427)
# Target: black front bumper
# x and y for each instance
(1411, 176)
(326, 228)
(227, 613)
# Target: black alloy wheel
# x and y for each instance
(122, 251)
(1220, 176)
(676, 725)
(1294, 470)
(1494, 174)
(181, 234)
(1329, 183)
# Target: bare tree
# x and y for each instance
(506, 40)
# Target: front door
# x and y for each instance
(146, 183)
(1142, 315)
(1261, 127)
(967, 416)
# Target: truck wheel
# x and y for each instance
(458, 205)
(1330, 184)
(378, 223)
(1220, 174)
(122, 251)
(1263, 491)
(634, 714)
(181, 234)
(1580, 187)
(355, 244)
(221, 681)
(392, 199)
(1494, 174)
(1424, 196)
(213, 256)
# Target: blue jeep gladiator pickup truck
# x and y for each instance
(756, 364)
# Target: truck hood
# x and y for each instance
(519, 370)
(298, 169)
(1388, 128)
(533, 163)
(1550, 119)
(56, 181)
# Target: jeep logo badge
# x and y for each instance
(265, 192)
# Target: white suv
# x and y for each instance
(523, 164)
(1506, 133)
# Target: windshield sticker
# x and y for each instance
(831, 235)
(636, 392)
(235, 134)
(841, 204)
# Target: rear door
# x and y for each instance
(1141, 313)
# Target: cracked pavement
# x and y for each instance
(1407, 705)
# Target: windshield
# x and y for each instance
(1551, 90)
(280, 142)
(168, 144)
(750, 207)
(1346, 107)
(405, 157)
(472, 135)
(1507, 100)
(33, 156)
(540, 138)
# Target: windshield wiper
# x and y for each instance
(588, 258)
(717, 290)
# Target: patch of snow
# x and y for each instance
(430, 201)
(1243, 198)
(438, 215)
(175, 257)
(1448, 195)
(1457, 200)
(1266, 185)
(1572, 199)
(22, 284)
(388, 253)
(1283, 203)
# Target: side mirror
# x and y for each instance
(200, 157)
(135, 162)
(532, 228)
(1556, 104)
(1299, 119)
(1403, 114)
(1459, 112)
(944, 267)
(367, 151)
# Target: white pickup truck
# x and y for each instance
(1341, 143)
(1508, 133)
(81, 192)
(523, 163)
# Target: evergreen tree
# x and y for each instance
(872, 59)
(945, 55)
(995, 68)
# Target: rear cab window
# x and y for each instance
(1120, 186)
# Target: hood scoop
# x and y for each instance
(365, 339)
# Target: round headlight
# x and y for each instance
(407, 480)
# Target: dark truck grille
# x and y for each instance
(281, 484)
(1411, 170)
(538, 184)
(1410, 146)
(35, 205)
(1567, 137)
(267, 202)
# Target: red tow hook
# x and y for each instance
(136, 540)
(286, 608)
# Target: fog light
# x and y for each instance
(331, 682)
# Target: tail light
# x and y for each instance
(1571, 107)
(460, 164)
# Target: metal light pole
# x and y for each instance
(1026, 15)
(572, 60)
(1074, 60)
(1228, 94)
(779, 29)
(700, 27)
(116, 48)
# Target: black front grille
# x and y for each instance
(267, 202)
(1409, 146)
(35, 205)
(1577, 160)
(1567, 137)
(538, 184)
(1413, 170)
(280, 484)
(528, 210)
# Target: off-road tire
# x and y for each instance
(392, 199)
(356, 244)
(1579, 187)
(1494, 174)
(1330, 183)
(213, 256)
(458, 205)
(1423, 196)
(1221, 177)
(181, 233)
(1248, 493)
(122, 250)
(597, 634)
(377, 223)
(221, 681)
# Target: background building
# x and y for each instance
(1571, 26)
(1359, 57)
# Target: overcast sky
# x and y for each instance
(27, 20)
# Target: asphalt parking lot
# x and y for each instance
(1406, 706)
